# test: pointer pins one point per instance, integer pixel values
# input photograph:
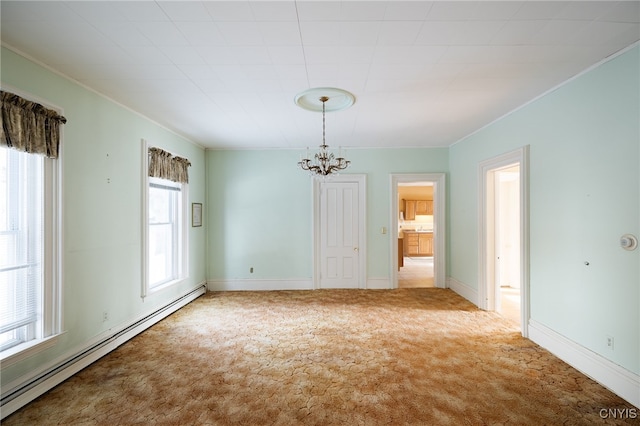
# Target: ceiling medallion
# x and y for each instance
(325, 99)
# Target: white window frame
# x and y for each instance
(50, 323)
(183, 251)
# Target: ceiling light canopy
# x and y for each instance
(337, 99)
(325, 99)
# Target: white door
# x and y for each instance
(339, 235)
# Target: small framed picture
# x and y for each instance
(196, 214)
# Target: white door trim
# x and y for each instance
(361, 180)
(486, 290)
(439, 224)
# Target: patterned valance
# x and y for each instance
(165, 166)
(28, 126)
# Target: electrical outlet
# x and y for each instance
(610, 342)
(251, 269)
(105, 316)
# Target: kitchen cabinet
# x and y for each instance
(425, 244)
(424, 207)
(418, 243)
(411, 243)
(413, 207)
(409, 209)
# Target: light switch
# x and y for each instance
(383, 230)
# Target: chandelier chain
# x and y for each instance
(323, 121)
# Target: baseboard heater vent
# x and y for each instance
(50, 378)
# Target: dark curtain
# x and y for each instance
(165, 166)
(28, 126)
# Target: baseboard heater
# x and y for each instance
(50, 378)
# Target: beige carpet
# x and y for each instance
(327, 357)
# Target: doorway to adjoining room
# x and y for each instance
(506, 240)
(415, 235)
(504, 236)
(419, 217)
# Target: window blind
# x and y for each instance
(21, 245)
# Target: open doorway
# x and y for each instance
(418, 230)
(505, 240)
(504, 237)
(415, 235)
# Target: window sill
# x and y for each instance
(25, 350)
(164, 286)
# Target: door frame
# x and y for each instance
(486, 286)
(439, 223)
(361, 180)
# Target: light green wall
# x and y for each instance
(260, 209)
(102, 170)
(259, 215)
(584, 143)
(585, 190)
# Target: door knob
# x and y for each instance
(356, 249)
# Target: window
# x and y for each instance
(165, 231)
(165, 253)
(29, 296)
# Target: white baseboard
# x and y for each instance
(259, 284)
(281, 284)
(24, 390)
(471, 294)
(378, 283)
(619, 380)
(610, 375)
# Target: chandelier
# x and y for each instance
(324, 162)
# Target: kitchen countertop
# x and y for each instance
(413, 231)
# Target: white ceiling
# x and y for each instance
(225, 73)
